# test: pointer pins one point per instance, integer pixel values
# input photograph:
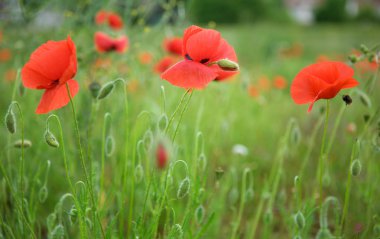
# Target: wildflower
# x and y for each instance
(201, 49)
(115, 21)
(321, 81)
(10, 75)
(165, 63)
(145, 58)
(253, 91)
(51, 67)
(239, 149)
(173, 45)
(105, 43)
(161, 156)
(279, 82)
(5, 55)
(264, 83)
(101, 17)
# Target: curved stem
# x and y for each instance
(107, 118)
(175, 111)
(180, 117)
(82, 159)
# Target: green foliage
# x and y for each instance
(331, 11)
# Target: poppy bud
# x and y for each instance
(249, 194)
(353, 59)
(94, 88)
(51, 140)
(161, 156)
(376, 229)
(296, 135)
(105, 90)
(228, 65)
(73, 214)
(184, 188)
(347, 99)
(356, 167)
(162, 122)
(10, 121)
(199, 214)
(268, 217)
(324, 233)
(58, 232)
(176, 231)
(219, 173)
(110, 146)
(19, 143)
(299, 220)
(366, 101)
(364, 49)
(43, 194)
(139, 173)
(296, 180)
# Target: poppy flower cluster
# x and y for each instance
(321, 81)
(112, 18)
(206, 57)
(51, 68)
(105, 43)
(264, 84)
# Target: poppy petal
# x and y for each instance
(305, 88)
(57, 97)
(34, 79)
(203, 46)
(188, 33)
(103, 42)
(121, 44)
(189, 74)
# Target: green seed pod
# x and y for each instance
(176, 232)
(10, 121)
(51, 139)
(105, 90)
(43, 194)
(50, 221)
(219, 173)
(19, 143)
(356, 167)
(363, 48)
(228, 65)
(110, 146)
(162, 122)
(364, 98)
(139, 173)
(58, 232)
(299, 220)
(199, 214)
(94, 88)
(184, 188)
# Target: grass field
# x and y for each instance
(243, 163)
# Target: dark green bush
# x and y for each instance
(331, 11)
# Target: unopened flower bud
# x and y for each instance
(219, 173)
(184, 188)
(105, 90)
(94, 88)
(347, 99)
(43, 194)
(51, 140)
(10, 121)
(356, 167)
(299, 220)
(199, 214)
(228, 65)
(19, 143)
(364, 49)
(353, 59)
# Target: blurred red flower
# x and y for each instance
(101, 17)
(105, 43)
(279, 82)
(5, 55)
(321, 81)
(173, 45)
(201, 49)
(145, 58)
(161, 156)
(50, 67)
(10, 75)
(115, 21)
(253, 91)
(165, 63)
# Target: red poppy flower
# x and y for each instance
(279, 82)
(165, 63)
(101, 17)
(50, 67)
(201, 49)
(115, 21)
(161, 156)
(105, 43)
(321, 81)
(173, 45)
(5, 55)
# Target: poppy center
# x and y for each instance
(203, 61)
(188, 57)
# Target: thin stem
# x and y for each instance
(322, 152)
(175, 111)
(180, 117)
(107, 118)
(82, 159)
(242, 203)
(82, 223)
(347, 193)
